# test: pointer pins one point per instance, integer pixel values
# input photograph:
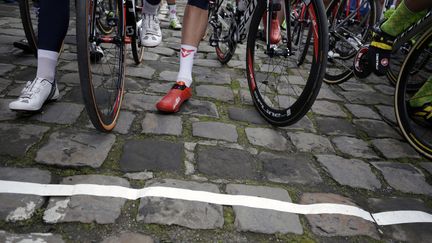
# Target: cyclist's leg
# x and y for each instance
(407, 13)
(52, 28)
(275, 33)
(383, 36)
(174, 21)
(151, 34)
(194, 26)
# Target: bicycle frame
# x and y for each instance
(130, 18)
(240, 31)
(349, 15)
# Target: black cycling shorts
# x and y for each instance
(53, 24)
(202, 4)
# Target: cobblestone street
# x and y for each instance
(345, 150)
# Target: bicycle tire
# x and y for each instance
(29, 21)
(417, 135)
(339, 69)
(301, 44)
(225, 47)
(396, 61)
(102, 86)
(137, 48)
(303, 93)
(105, 8)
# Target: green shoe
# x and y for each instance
(175, 24)
(389, 13)
(283, 25)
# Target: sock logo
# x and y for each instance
(186, 52)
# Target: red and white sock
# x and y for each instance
(187, 53)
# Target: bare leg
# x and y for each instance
(194, 25)
(418, 5)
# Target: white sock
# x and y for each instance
(172, 11)
(149, 8)
(47, 62)
(187, 53)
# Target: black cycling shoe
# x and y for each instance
(379, 51)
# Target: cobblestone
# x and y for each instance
(393, 149)
(267, 138)
(308, 142)
(193, 215)
(335, 126)
(403, 232)
(354, 147)
(215, 130)
(404, 177)
(75, 148)
(149, 154)
(361, 111)
(216, 92)
(61, 113)
(247, 115)
(18, 207)
(86, 209)
(226, 163)
(162, 124)
(200, 108)
(261, 220)
(326, 108)
(296, 168)
(353, 172)
(15, 140)
(376, 129)
(333, 224)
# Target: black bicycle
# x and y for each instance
(102, 76)
(283, 87)
(350, 24)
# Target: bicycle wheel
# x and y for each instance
(29, 10)
(221, 17)
(396, 61)
(282, 91)
(349, 29)
(137, 48)
(102, 78)
(417, 68)
(301, 31)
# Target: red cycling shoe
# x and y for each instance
(173, 100)
(275, 34)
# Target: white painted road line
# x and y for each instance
(382, 218)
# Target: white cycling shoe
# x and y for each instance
(35, 94)
(151, 34)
